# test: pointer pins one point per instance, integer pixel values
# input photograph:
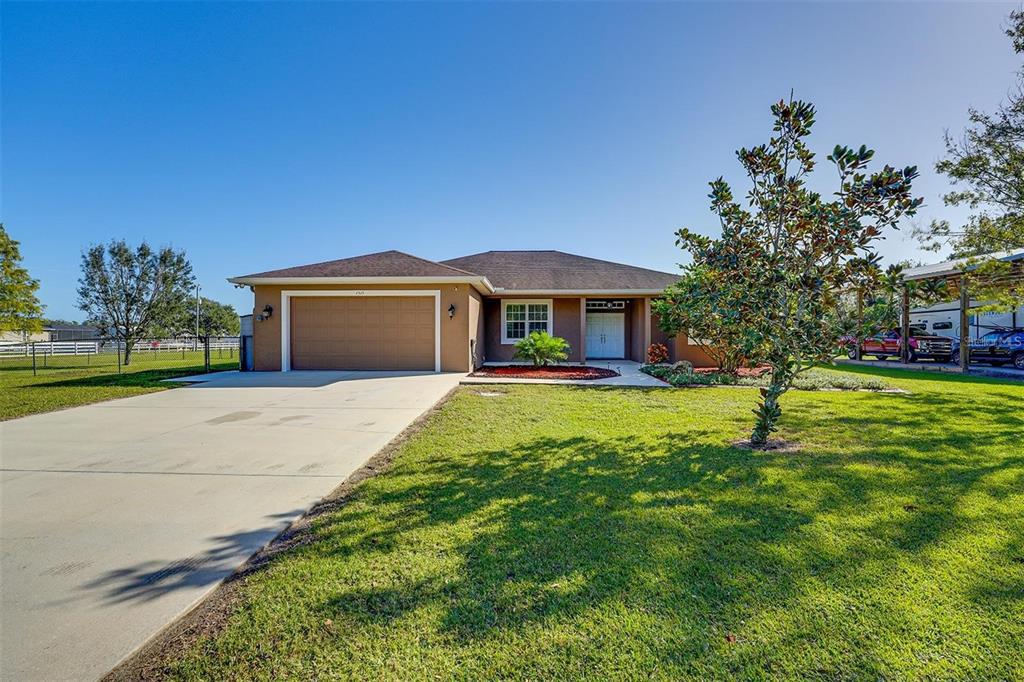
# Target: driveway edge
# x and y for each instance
(208, 616)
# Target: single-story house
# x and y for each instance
(395, 311)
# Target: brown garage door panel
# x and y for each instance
(363, 332)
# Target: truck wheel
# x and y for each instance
(852, 353)
(912, 357)
(1018, 359)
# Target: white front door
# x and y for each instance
(606, 335)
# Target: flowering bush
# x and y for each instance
(657, 353)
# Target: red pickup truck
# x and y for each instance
(922, 346)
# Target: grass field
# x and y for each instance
(67, 381)
(554, 532)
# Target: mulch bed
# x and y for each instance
(741, 372)
(550, 372)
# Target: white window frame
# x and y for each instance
(505, 302)
(286, 312)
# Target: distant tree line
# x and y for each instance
(127, 292)
(132, 293)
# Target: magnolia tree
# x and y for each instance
(788, 254)
(708, 306)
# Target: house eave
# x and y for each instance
(626, 293)
(481, 284)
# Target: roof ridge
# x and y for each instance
(432, 262)
(391, 252)
(564, 253)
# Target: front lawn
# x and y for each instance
(70, 381)
(563, 532)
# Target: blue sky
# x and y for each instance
(257, 136)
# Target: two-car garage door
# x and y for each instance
(362, 332)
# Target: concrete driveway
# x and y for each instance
(117, 517)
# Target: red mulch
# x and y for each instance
(742, 372)
(551, 372)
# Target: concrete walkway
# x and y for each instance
(629, 375)
(117, 517)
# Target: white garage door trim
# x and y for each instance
(286, 315)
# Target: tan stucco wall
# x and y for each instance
(679, 347)
(476, 329)
(635, 321)
(683, 350)
(566, 323)
(454, 332)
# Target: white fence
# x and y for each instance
(55, 348)
(51, 348)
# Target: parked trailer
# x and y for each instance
(943, 319)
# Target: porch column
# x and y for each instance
(583, 330)
(647, 330)
(965, 329)
(905, 326)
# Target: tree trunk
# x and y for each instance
(127, 353)
(769, 411)
(730, 363)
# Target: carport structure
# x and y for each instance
(957, 274)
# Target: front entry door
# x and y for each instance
(606, 335)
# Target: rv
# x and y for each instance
(943, 319)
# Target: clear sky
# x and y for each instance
(257, 136)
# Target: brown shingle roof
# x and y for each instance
(382, 264)
(555, 270)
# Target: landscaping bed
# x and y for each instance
(811, 380)
(545, 372)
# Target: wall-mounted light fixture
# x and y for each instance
(268, 310)
(451, 311)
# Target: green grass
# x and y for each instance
(67, 381)
(558, 532)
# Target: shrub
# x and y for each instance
(687, 377)
(657, 353)
(811, 380)
(816, 380)
(541, 348)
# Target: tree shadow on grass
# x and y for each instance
(674, 531)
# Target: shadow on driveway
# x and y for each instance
(150, 580)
